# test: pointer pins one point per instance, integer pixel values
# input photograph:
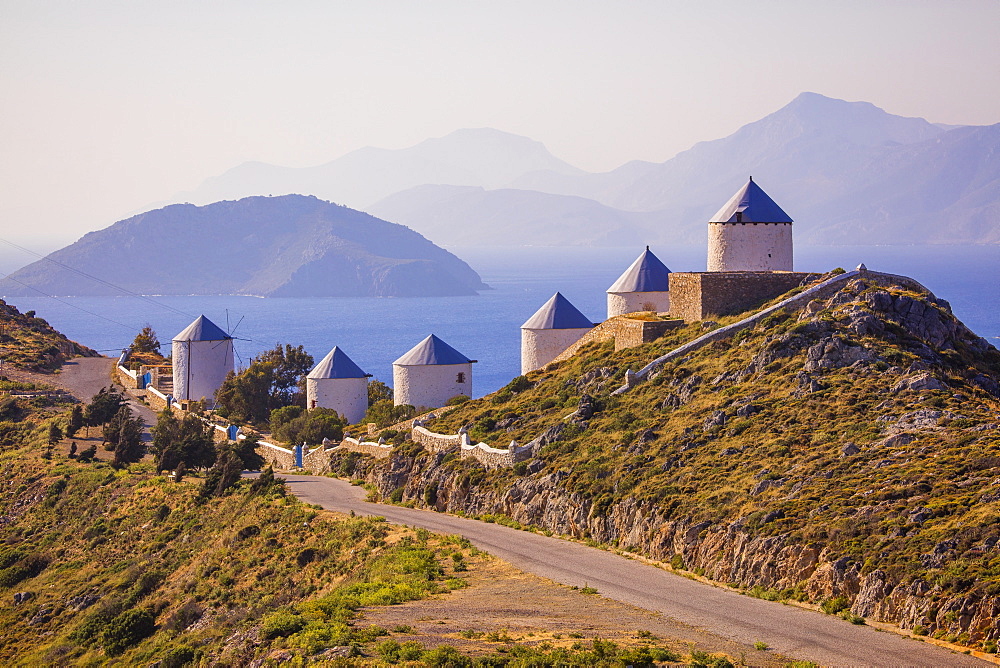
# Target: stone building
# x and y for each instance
(338, 383)
(552, 329)
(750, 233)
(202, 356)
(430, 374)
(645, 286)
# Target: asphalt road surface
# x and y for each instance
(789, 630)
(84, 377)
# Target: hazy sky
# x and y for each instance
(106, 107)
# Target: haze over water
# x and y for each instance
(374, 332)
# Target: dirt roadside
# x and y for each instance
(502, 605)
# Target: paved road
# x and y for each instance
(84, 377)
(789, 630)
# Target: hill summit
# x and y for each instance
(288, 246)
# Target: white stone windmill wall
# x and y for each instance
(430, 374)
(750, 233)
(645, 286)
(202, 356)
(552, 329)
(338, 383)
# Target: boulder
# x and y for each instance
(921, 382)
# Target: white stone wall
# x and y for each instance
(541, 346)
(620, 303)
(429, 385)
(750, 247)
(347, 396)
(200, 367)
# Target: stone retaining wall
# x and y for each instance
(376, 450)
(698, 295)
(434, 442)
(126, 378)
(625, 330)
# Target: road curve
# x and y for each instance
(789, 630)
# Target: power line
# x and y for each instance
(62, 301)
(92, 277)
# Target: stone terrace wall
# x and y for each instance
(696, 295)
(376, 450)
(626, 331)
(434, 442)
(125, 378)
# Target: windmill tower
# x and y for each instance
(430, 374)
(645, 286)
(338, 383)
(552, 329)
(750, 233)
(202, 356)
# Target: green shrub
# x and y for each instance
(126, 630)
(832, 606)
(281, 623)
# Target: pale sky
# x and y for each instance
(107, 107)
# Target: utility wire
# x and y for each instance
(92, 277)
(71, 305)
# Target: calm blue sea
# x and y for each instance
(374, 332)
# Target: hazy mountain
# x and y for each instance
(479, 157)
(461, 215)
(847, 172)
(289, 246)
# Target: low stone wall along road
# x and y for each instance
(789, 630)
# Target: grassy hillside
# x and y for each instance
(842, 453)
(29, 342)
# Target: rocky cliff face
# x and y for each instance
(883, 488)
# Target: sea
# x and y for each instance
(485, 327)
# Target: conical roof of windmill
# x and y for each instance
(647, 274)
(432, 351)
(202, 329)
(750, 205)
(558, 313)
(336, 364)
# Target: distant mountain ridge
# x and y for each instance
(288, 246)
(847, 172)
(475, 157)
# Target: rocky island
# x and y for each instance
(288, 246)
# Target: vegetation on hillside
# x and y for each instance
(863, 428)
(29, 342)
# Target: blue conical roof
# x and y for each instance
(202, 329)
(557, 313)
(336, 364)
(750, 205)
(432, 350)
(647, 274)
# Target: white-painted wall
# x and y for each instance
(347, 396)
(541, 346)
(200, 367)
(429, 385)
(620, 303)
(750, 247)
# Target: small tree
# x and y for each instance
(55, 433)
(271, 381)
(187, 442)
(246, 450)
(146, 342)
(76, 420)
(378, 391)
(124, 436)
(223, 475)
(103, 407)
